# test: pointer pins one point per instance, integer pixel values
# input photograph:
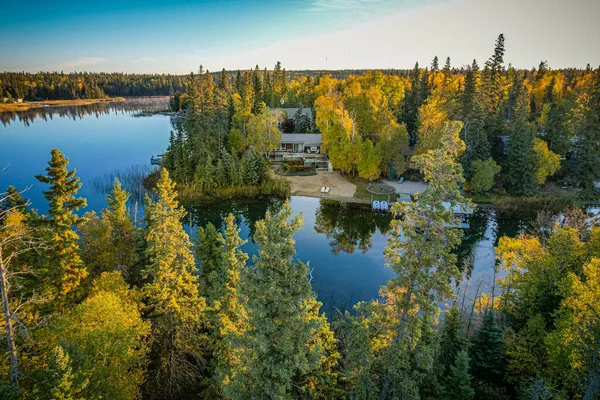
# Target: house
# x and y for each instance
(305, 146)
(300, 143)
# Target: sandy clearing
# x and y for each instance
(340, 188)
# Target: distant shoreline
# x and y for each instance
(12, 107)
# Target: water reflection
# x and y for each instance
(348, 226)
(139, 106)
(246, 212)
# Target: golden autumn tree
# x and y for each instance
(175, 308)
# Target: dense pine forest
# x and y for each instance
(99, 306)
(61, 86)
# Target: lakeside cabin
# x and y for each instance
(305, 146)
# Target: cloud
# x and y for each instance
(75, 64)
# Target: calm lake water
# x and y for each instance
(342, 242)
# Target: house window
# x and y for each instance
(298, 147)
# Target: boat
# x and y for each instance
(156, 160)
(384, 205)
(376, 205)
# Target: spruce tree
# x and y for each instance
(121, 230)
(420, 252)
(172, 294)
(460, 386)
(521, 154)
(65, 268)
(227, 306)
(209, 253)
(288, 346)
(435, 66)
(487, 351)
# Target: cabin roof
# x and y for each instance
(309, 139)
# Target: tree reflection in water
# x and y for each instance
(348, 226)
(140, 105)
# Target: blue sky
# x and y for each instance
(176, 36)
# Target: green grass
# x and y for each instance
(363, 193)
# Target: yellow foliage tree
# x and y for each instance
(547, 162)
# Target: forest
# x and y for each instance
(82, 85)
(522, 128)
(99, 306)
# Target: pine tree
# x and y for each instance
(65, 268)
(223, 83)
(221, 174)
(435, 67)
(122, 230)
(172, 294)
(258, 98)
(521, 154)
(286, 347)
(227, 310)
(487, 351)
(209, 253)
(460, 387)
(419, 251)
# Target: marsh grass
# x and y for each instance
(131, 178)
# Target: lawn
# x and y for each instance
(363, 193)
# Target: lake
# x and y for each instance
(343, 243)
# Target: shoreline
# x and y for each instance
(29, 105)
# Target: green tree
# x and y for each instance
(209, 253)
(288, 345)
(487, 351)
(227, 306)
(64, 382)
(460, 378)
(420, 252)
(108, 243)
(521, 158)
(64, 267)
(172, 294)
(483, 175)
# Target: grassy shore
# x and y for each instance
(28, 105)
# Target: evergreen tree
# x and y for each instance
(172, 294)
(223, 82)
(460, 387)
(227, 306)
(209, 253)
(487, 351)
(258, 98)
(435, 66)
(285, 350)
(419, 251)
(521, 160)
(64, 268)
